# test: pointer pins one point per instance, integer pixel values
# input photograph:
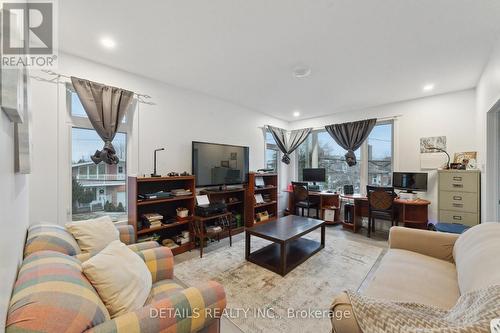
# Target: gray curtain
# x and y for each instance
(105, 106)
(288, 146)
(351, 136)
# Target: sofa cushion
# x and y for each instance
(50, 237)
(52, 295)
(476, 254)
(95, 234)
(121, 278)
(412, 277)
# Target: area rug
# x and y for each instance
(259, 300)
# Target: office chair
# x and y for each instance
(302, 200)
(381, 206)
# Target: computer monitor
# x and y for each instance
(314, 175)
(410, 181)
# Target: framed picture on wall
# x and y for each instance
(469, 159)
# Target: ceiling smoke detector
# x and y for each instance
(301, 71)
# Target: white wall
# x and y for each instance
(179, 117)
(13, 215)
(488, 93)
(451, 115)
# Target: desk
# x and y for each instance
(411, 213)
(326, 201)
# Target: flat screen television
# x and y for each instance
(216, 164)
(410, 181)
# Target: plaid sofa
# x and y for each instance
(56, 238)
(51, 294)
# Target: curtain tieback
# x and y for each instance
(350, 158)
(285, 159)
(106, 155)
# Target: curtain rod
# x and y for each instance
(322, 127)
(378, 120)
(55, 79)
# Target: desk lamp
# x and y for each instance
(441, 151)
(154, 171)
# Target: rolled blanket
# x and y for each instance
(472, 313)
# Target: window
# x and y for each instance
(321, 151)
(101, 189)
(380, 155)
(272, 153)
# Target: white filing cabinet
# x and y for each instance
(460, 196)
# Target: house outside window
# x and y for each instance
(97, 190)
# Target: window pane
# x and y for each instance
(272, 153)
(338, 173)
(272, 159)
(102, 189)
(270, 138)
(321, 151)
(77, 107)
(380, 155)
(304, 155)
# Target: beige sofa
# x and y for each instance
(430, 268)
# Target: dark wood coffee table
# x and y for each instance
(289, 249)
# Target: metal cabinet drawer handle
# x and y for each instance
(458, 185)
(457, 217)
(458, 205)
(457, 179)
(457, 197)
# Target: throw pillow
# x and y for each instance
(120, 277)
(95, 234)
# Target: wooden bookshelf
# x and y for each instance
(164, 206)
(237, 207)
(270, 188)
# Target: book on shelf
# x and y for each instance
(259, 199)
(155, 195)
(155, 224)
(259, 182)
(151, 217)
(181, 192)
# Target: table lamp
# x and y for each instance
(154, 154)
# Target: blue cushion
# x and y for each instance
(454, 228)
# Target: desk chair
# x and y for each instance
(381, 206)
(302, 199)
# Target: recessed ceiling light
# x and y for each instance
(301, 71)
(428, 87)
(108, 43)
(296, 113)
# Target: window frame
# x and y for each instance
(84, 123)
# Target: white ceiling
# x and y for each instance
(361, 53)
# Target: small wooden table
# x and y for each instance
(289, 249)
(200, 232)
